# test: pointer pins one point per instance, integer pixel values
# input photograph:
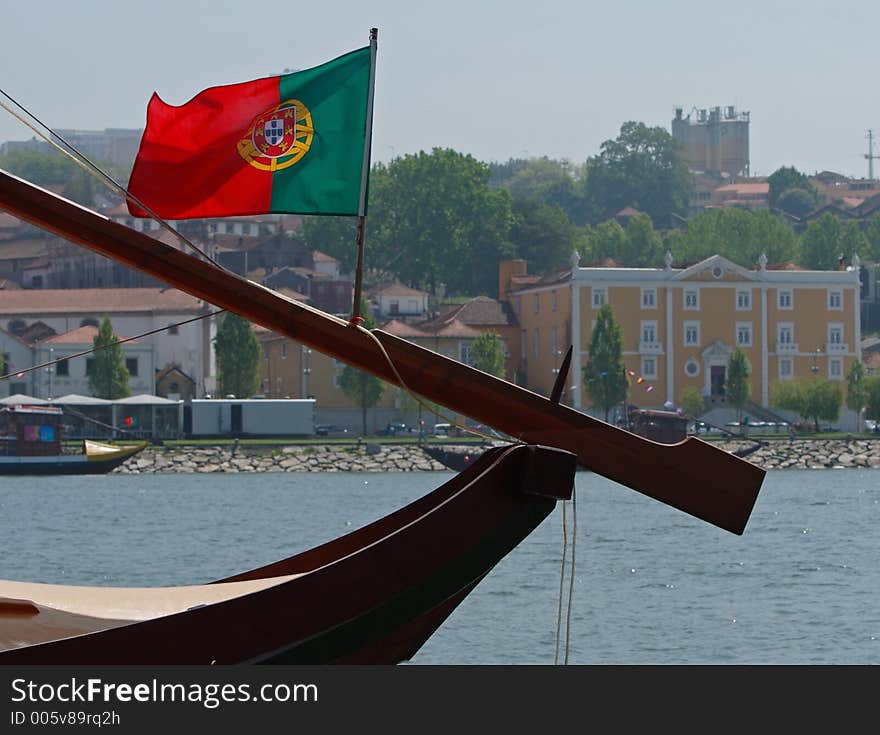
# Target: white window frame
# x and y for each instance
(553, 341)
(783, 374)
(747, 294)
(782, 328)
(649, 367)
(599, 297)
(648, 325)
(835, 333)
(553, 301)
(746, 328)
(649, 298)
(835, 368)
(785, 299)
(695, 292)
(464, 352)
(688, 326)
(835, 299)
(536, 339)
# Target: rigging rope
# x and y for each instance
(93, 169)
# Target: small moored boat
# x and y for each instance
(30, 444)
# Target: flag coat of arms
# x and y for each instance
(292, 143)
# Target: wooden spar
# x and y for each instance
(693, 476)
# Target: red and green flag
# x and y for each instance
(293, 143)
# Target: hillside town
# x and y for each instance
(680, 320)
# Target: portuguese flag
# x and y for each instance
(292, 143)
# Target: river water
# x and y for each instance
(651, 586)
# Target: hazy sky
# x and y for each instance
(496, 79)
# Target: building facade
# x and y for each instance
(680, 326)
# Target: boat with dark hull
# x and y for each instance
(30, 444)
(373, 596)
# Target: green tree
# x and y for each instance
(643, 167)
(363, 389)
(811, 398)
(604, 375)
(691, 400)
(872, 240)
(608, 240)
(737, 385)
(643, 247)
(487, 354)
(797, 202)
(827, 239)
(856, 390)
(107, 374)
(786, 178)
(740, 235)
(552, 182)
(238, 357)
(872, 397)
(435, 219)
(542, 235)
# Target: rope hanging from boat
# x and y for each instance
(18, 373)
(81, 160)
(562, 579)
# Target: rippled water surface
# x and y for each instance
(652, 585)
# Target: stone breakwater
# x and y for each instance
(779, 454)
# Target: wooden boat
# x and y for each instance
(30, 444)
(372, 596)
(376, 595)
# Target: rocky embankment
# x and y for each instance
(369, 457)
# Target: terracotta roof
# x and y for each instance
(396, 289)
(761, 187)
(80, 336)
(172, 369)
(318, 257)
(291, 294)
(403, 330)
(482, 311)
(603, 263)
(455, 328)
(96, 300)
(628, 212)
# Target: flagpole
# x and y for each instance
(356, 317)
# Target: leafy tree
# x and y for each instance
(542, 235)
(644, 246)
(336, 236)
(797, 202)
(643, 167)
(740, 235)
(555, 183)
(872, 240)
(856, 392)
(786, 178)
(811, 398)
(487, 354)
(827, 239)
(736, 383)
(691, 400)
(361, 388)
(238, 357)
(604, 374)
(107, 374)
(872, 397)
(435, 219)
(608, 240)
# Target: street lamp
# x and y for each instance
(814, 368)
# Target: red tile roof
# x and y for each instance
(81, 336)
(96, 300)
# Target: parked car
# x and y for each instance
(330, 430)
(393, 429)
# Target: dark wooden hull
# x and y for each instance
(372, 596)
(456, 460)
(63, 465)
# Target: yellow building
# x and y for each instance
(680, 325)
